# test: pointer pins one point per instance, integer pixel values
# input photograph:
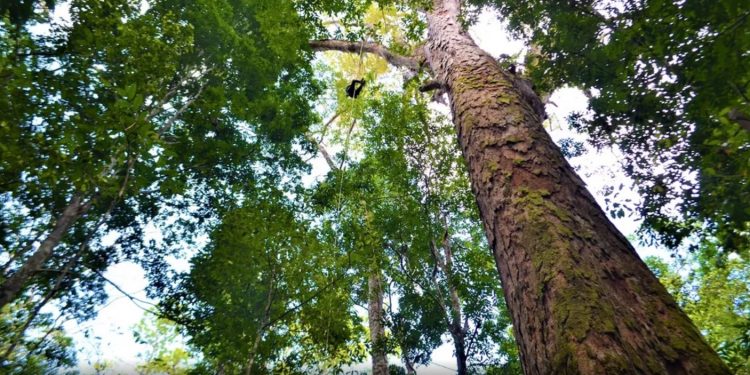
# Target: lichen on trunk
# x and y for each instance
(581, 300)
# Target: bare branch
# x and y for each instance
(369, 47)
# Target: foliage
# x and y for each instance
(669, 100)
(164, 354)
(43, 352)
(392, 205)
(266, 289)
(715, 296)
(147, 114)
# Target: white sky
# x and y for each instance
(110, 334)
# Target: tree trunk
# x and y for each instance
(459, 345)
(410, 370)
(581, 300)
(456, 328)
(265, 321)
(375, 317)
(16, 282)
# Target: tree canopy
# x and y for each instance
(162, 130)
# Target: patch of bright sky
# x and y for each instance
(109, 337)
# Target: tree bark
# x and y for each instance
(375, 318)
(581, 300)
(15, 283)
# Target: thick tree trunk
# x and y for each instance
(581, 300)
(375, 318)
(16, 282)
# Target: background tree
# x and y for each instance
(264, 293)
(122, 118)
(715, 296)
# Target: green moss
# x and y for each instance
(578, 308)
(513, 139)
(564, 361)
(493, 166)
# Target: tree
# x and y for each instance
(676, 103)
(444, 276)
(581, 299)
(164, 355)
(126, 117)
(715, 298)
(265, 296)
(48, 349)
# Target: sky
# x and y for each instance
(109, 337)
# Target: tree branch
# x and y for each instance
(432, 85)
(369, 47)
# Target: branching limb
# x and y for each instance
(432, 85)
(739, 117)
(395, 59)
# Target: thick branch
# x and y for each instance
(432, 85)
(369, 47)
(739, 117)
(13, 285)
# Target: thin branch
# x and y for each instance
(327, 124)
(168, 124)
(369, 47)
(323, 151)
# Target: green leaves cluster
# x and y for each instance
(267, 291)
(668, 85)
(715, 296)
(147, 111)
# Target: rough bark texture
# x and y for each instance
(16, 282)
(375, 318)
(581, 300)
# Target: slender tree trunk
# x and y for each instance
(375, 318)
(456, 328)
(459, 345)
(16, 282)
(262, 327)
(581, 300)
(410, 370)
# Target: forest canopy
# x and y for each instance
(312, 186)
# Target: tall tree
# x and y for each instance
(581, 299)
(675, 102)
(124, 116)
